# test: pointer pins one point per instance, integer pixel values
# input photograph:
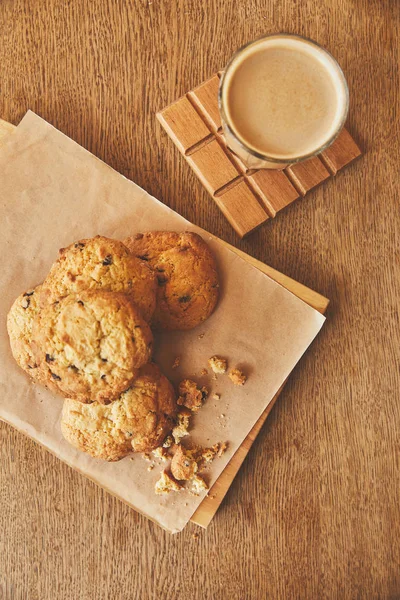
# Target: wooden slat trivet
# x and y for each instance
(247, 197)
(209, 506)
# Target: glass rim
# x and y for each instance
(235, 135)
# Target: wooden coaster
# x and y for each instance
(247, 198)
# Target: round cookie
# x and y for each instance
(19, 326)
(138, 421)
(187, 276)
(101, 263)
(90, 345)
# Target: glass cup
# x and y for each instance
(281, 106)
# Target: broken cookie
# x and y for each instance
(183, 466)
(222, 447)
(182, 424)
(166, 484)
(198, 485)
(190, 395)
(218, 364)
(237, 377)
(161, 453)
(208, 454)
(168, 442)
(204, 456)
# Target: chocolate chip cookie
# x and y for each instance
(137, 421)
(101, 263)
(19, 326)
(91, 344)
(187, 276)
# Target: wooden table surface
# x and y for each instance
(315, 510)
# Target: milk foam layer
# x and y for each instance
(284, 97)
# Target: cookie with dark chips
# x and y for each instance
(137, 421)
(187, 276)
(20, 330)
(101, 263)
(90, 345)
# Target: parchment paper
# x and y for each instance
(53, 192)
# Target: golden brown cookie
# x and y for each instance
(101, 263)
(91, 344)
(187, 276)
(183, 465)
(19, 326)
(137, 421)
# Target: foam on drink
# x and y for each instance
(284, 97)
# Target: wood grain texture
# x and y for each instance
(184, 125)
(204, 98)
(342, 151)
(231, 203)
(307, 175)
(213, 167)
(190, 120)
(274, 188)
(314, 511)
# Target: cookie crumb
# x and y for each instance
(182, 425)
(218, 364)
(208, 454)
(201, 336)
(146, 456)
(168, 442)
(190, 395)
(204, 456)
(203, 372)
(183, 466)
(150, 467)
(161, 453)
(222, 448)
(166, 484)
(216, 396)
(176, 362)
(198, 485)
(237, 377)
(195, 536)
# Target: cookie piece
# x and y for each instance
(166, 484)
(90, 345)
(183, 465)
(181, 428)
(168, 442)
(101, 263)
(198, 485)
(19, 326)
(191, 395)
(218, 364)
(137, 421)
(161, 454)
(237, 376)
(187, 276)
